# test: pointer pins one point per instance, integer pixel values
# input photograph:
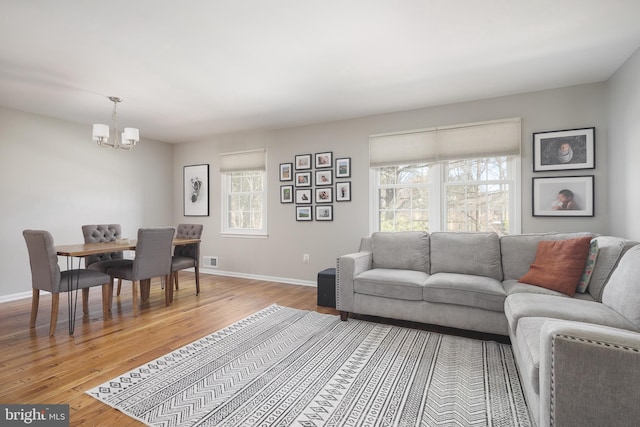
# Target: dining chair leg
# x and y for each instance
(85, 300)
(134, 296)
(111, 293)
(55, 303)
(119, 287)
(106, 301)
(174, 278)
(35, 301)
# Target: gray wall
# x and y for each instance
(53, 177)
(280, 255)
(624, 149)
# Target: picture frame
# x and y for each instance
(195, 190)
(570, 196)
(324, 160)
(343, 167)
(303, 161)
(324, 195)
(303, 196)
(564, 150)
(286, 171)
(286, 194)
(343, 191)
(324, 177)
(324, 213)
(304, 213)
(303, 179)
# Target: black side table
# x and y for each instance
(327, 288)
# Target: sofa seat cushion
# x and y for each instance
(528, 343)
(465, 289)
(514, 286)
(391, 283)
(519, 306)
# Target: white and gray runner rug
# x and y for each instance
(288, 367)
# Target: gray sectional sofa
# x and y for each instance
(578, 357)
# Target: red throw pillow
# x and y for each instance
(559, 264)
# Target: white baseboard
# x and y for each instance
(214, 271)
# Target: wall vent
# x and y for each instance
(210, 261)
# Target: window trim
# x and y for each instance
(224, 213)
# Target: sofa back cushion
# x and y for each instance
(466, 253)
(610, 251)
(622, 292)
(405, 250)
(519, 251)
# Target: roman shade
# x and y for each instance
(243, 161)
(463, 141)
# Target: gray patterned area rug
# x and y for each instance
(288, 367)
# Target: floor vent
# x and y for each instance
(210, 261)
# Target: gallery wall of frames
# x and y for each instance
(313, 182)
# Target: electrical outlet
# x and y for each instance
(305, 258)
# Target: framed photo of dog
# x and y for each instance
(196, 190)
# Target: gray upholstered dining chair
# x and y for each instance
(47, 276)
(153, 259)
(187, 256)
(99, 233)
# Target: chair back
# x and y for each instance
(153, 253)
(45, 271)
(189, 231)
(99, 233)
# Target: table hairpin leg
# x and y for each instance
(72, 297)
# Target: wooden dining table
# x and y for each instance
(80, 250)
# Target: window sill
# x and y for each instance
(245, 235)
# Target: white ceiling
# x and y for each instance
(193, 68)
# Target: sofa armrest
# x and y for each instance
(589, 375)
(349, 266)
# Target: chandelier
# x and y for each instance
(125, 141)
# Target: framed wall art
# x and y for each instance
(324, 213)
(303, 161)
(569, 196)
(324, 160)
(196, 190)
(304, 213)
(564, 150)
(324, 177)
(303, 179)
(303, 196)
(286, 194)
(286, 171)
(343, 191)
(343, 167)
(324, 195)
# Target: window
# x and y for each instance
(244, 207)
(244, 198)
(456, 195)
(461, 177)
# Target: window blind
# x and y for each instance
(243, 161)
(463, 141)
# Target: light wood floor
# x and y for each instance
(38, 369)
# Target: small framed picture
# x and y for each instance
(343, 191)
(303, 196)
(303, 179)
(563, 196)
(286, 194)
(564, 150)
(324, 195)
(303, 161)
(324, 160)
(286, 171)
(343, 167)
(324, 213)
(304, 213)
(324, 177)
